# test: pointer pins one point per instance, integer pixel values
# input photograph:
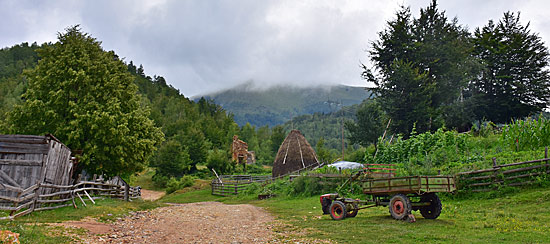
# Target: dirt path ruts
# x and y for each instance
(149, 195)
(204, 222)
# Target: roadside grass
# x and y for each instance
(519, 216)
(203, 195)
(33, 228)
(144, 179)
(199, 192)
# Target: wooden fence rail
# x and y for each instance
(32, 199)
(513, 174)
(231, 184)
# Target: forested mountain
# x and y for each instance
(324, 125)
(277, 105)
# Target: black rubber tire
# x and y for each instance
(326, 205)
(400, 207)
(434, 210)
(353, 209)
(338, 210)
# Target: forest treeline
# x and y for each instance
(118, 118)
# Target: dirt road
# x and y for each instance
(204, 222)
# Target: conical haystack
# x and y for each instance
(295, 153)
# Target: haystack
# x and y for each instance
(294, 154)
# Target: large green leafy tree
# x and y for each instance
(432, 52)
(369, 125)
(516, 80)
(85, 96)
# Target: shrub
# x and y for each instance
(219, 161)
(175, 184)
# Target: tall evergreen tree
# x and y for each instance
(434, 54)
(85, 96)
(516, 80)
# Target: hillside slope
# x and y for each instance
(277, 105)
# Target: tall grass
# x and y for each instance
(527, 134)
(424, 153)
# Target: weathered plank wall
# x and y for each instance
(21, 162)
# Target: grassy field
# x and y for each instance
(512, 215)
(515, 216)
(512, 218)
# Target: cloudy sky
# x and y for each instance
(203, 46)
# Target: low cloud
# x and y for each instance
(205, 46)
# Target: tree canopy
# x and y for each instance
(422, 66)
(85, 96)
(515, 81)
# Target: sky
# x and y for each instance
(204, 46)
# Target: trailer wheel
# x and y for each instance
(326, 205)
(400, 206)
(338, 210)
(353, 209)
(434, 210)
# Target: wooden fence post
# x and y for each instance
(126, 192)
(495, 172)
(546, 152)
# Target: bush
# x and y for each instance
(311, 186)
(175, 184)
(219, 161)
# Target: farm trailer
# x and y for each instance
(401, 194)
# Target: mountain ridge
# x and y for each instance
(278, 104)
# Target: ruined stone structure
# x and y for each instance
(239, 150)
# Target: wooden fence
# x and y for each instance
(513, 174)
(227, 185)
(33, 199)
(231, 184)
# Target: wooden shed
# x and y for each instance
(27, 161)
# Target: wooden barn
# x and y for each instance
(27, 161)
(294, 154)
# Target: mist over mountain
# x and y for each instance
(278, 104)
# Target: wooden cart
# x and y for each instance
(401, 194)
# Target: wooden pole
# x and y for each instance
(495, 173)
(72, 198)
(126, 192)
(88, 195)
(342, 133)
(546, 152)
(383, 136)
(219, 179)
(82, 200)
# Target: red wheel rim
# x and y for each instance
(398, 207)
